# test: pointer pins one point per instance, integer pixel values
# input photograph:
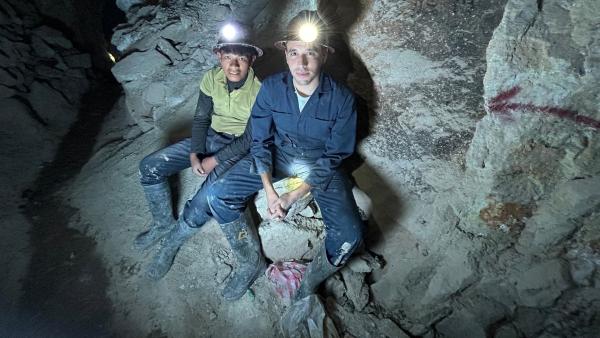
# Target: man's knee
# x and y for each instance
(341, 245)
(196, 211)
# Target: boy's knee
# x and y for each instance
(146, 165)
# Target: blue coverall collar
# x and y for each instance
(324, 84)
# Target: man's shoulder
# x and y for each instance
(275, 79)
(338, 88)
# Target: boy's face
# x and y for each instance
(235, 66)
(305, 61)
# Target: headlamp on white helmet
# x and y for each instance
(307, 26)
(235, 34)
(229, 32)
(308, 32)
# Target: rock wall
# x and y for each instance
(479, 150)
(42, 80)
(82, 21)
(534, 161)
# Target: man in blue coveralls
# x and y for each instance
(303, 125)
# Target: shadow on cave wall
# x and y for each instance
(64, 291)
(346, 66)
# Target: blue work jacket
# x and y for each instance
(324, 132)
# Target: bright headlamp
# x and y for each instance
(308, 32)
(229, 32)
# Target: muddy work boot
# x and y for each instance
(169, 246)
(250, 261)
(317, 271)
(161, 208)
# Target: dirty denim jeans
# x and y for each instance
(158, 166)
(344, 228)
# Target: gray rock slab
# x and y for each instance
(6, 92)
(51, 106)
(8, 78)
(139, 65)
(48, 72)
(541, 284)
(363, 324)
(9, 15)
(357, 289)
(282, 241)
(125, 5)
(166, 48)
(53, 37)
(462, 324)
(41, 48)
(78, 60)
(552, 222)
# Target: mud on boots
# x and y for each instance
(169, 246)
(245, 245)
(161, 208)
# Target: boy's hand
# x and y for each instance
(208, 164)
(196, 165)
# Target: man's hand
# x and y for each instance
(196, 165)
(208, 164)
(279, 207)
(274, 209)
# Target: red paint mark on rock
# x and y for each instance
(501, 106)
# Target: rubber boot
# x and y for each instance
(317, 272)
(250, 261)
(161, 208)
(169, 246)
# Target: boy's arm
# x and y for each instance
(239, 146)
(200, 125)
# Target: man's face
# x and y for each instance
(305, 61)
(235, 66)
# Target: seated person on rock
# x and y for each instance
(220, 138)
(303, 125)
